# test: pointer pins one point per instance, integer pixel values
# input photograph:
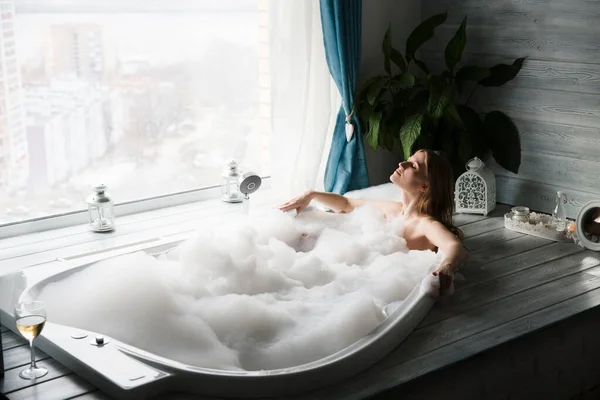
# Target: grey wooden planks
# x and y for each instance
(555, 98)
(502, 250)
(483, 226)
(577, 14)
(493, 314)
(97, 395)
(13, 382)
(540, 196)
(20, 356)
(496, 289)
(478, 273)
(579, 109)
(367, 384)
(559, 140)
(10, 340)
(559, 170)
(488, 239)
(65, 387)
(563, 76)
(539, 42)
(437, 347)
(463, 219)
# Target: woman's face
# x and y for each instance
(411, 175)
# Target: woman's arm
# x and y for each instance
(336, 202)
(454, 252)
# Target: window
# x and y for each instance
(149, 98)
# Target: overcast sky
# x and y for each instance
(70, 6)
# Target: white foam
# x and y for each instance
(266, 293)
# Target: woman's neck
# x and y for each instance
(409, 202)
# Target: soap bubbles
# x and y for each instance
(268, 292)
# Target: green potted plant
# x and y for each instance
(431, 110)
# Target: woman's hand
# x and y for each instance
(445, 273)
(297, 203)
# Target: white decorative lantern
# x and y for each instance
(475, 190)
(101, 215)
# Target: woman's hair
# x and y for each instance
(438, 201)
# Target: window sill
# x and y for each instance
(80, 217)
(176, 221)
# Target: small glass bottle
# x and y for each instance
(559, 215)
(100, 210)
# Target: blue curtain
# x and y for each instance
(342, 26)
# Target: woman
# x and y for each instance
(426, 183)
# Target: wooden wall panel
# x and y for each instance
(555, 100)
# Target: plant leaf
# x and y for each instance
(440, 95)
(374, 127)
(422, 65)
(397, 58)
(387, 47)
(465, 146)
(472, 73)
(410, 131)
(364, 89)
(502, 73)
(417, 103)
(475, 130)
(456, 45)
(423, 33)
(375, 89)
(404, 81)
(448, 143)
(504, 141)
(452, 117)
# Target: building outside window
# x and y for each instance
(149, 98)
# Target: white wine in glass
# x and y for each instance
(30, 318)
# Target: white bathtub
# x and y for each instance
(126, 372)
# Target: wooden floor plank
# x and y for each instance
(469, 323)
(368, 384)
(20, 356)
(505, 249)
(461, 219)
(97, 395)
(476, 274)
(488, 239)
(10, 340)
(62, 388)
(494, 290)
(483, 226)
(13, 382)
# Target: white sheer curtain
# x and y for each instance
(304, 98)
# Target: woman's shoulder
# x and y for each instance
(428, 222)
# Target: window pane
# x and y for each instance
(147, 97)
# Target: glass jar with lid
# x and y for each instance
(230, 191)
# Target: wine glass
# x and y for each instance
(31, 317)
